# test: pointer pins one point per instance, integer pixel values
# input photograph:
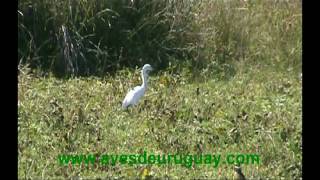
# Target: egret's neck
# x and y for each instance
(144, 79)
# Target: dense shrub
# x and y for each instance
(101, 36)
(97, 37)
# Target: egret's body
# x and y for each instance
(135, 94)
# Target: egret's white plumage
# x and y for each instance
(136, 93)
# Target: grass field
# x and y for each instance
(257, 107)
(247, 99)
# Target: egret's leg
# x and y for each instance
(130, 109)
(127, 110)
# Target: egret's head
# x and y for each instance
(147, 69)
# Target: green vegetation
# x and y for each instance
(228, 82)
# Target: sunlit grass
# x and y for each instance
(257, 111)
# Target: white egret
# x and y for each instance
(135, 94)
